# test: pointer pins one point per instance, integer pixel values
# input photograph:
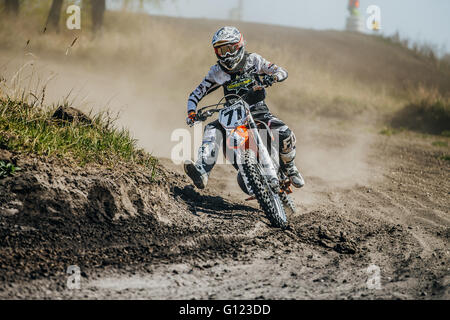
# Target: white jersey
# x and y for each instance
(217, 78)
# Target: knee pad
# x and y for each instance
(207, 152)
(287, 141)
(288, 157)
(285, 136)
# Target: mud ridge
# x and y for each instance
(52, 216)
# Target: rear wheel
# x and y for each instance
(269, 201)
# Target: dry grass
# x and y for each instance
(332, 74)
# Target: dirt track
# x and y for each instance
(211, 246)
(391, 223)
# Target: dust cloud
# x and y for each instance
(148, 86)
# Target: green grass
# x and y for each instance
(445, 157)
(440, 143)
(30, 129)
(390, 131)
(7, 169)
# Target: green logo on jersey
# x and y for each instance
(240, 83)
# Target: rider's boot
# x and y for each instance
(197, 173)
(289, 167)
(294, 175)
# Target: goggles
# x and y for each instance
(228, 49)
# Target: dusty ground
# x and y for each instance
(212, 245)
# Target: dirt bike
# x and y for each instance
(259, 172)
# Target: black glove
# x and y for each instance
(269, 80)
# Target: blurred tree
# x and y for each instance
(12, 6)
(93, 9)
(98, 11)
(55, 15)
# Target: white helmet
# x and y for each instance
(229, 46)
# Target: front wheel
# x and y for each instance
(269, 201)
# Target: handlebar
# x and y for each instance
(203, 115)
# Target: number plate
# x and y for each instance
(233, 116)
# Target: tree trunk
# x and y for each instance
(55, 15)
(12, 6)
(98, 11)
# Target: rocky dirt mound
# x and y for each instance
(53, 216)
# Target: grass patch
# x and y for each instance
(7, 169)
(427, 112)
(390, 131)
(31, 129)
(445, 157)
(440, 143)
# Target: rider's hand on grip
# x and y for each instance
(269, 80)
(190, 120)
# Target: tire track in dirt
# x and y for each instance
(228, 250)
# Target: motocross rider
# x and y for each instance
(234, 72)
